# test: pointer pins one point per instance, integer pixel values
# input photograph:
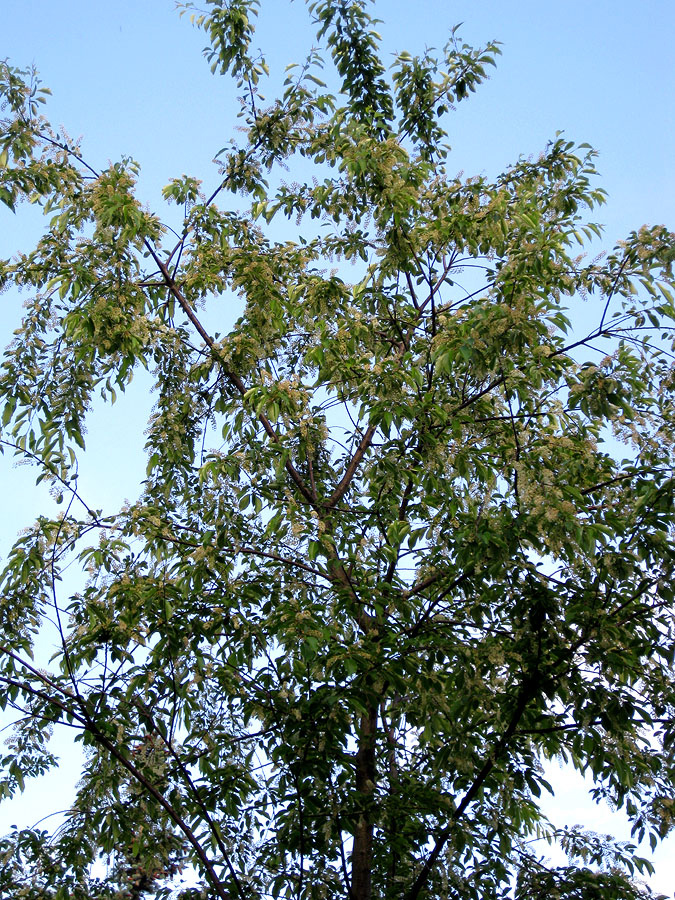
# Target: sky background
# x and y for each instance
(130, 78)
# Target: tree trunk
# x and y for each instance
(362, 855)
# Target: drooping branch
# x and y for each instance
(80, 713)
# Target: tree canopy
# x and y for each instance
(407, 528)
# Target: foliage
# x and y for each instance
(389, 558)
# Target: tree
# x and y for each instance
(389, 557)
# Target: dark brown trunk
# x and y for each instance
(362, 855)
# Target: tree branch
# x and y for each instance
(346, 480)
(232, 377)
(526, 694)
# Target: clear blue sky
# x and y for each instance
(129, 77)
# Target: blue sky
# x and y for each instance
(130, 78)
